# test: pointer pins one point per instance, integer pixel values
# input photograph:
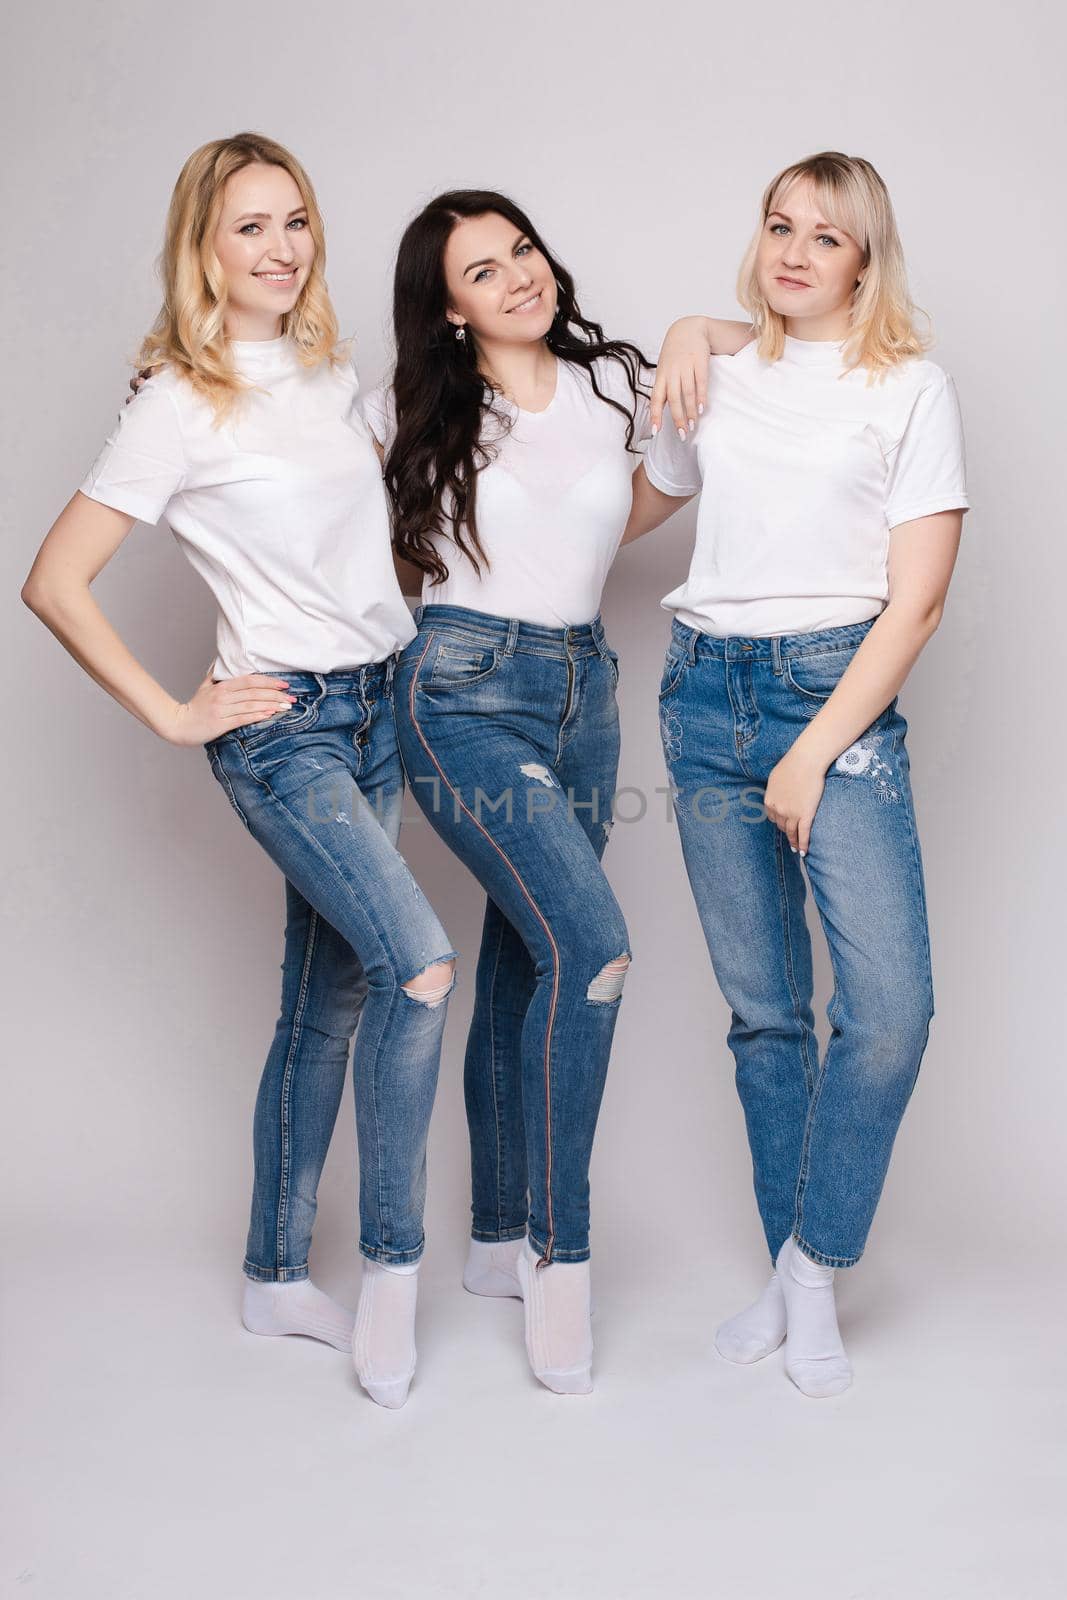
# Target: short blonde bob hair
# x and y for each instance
(188, 334)
(854, 198)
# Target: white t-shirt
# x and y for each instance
(552, 506)
(804, 473)
(281, 510)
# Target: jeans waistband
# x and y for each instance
(352, 680)
(773, 647)
(511, 635)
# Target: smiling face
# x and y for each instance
(806, 266)
(265, 248)
(500, 286)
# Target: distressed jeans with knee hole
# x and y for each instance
(509, 732)
(821, 1132)
(320, 787)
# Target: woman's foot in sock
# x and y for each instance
(276, 1308)
(815, 1357)
(755, 1332)
(383, 1342)
(556, 1307)
(490, 1268)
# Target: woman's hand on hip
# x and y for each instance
(217, 708)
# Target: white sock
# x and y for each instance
(815, 1358)
(383, 1342)
(490, 1268)
(757, 1331)
(273, 1308)
(556, 1304)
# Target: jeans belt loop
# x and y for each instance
(417, 613)
(513, 636)
(776, 654)
(691, 642)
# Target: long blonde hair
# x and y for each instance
(882, 315)
(188, 334)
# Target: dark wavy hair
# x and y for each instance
(431, 471)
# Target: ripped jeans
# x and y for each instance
(821, 1133)
(510, 736)
(320, 787)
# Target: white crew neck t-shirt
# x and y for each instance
(552, 505)
(281, 510)
(804, 473)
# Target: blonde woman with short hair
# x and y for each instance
(831, 455)
(247, 440)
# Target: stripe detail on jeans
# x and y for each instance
(543, 1261)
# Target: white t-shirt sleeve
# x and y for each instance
(671, 463)
(927, 470)
(378, 410)
(142, 463)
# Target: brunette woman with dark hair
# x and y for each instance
(507, 439)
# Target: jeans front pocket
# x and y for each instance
(815, 677)
(458, 662)
(301, 714)
(674, 665)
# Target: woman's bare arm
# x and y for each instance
(650, 506)
(922, 554)
(80, 543)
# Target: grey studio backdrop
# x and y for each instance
(143, 927)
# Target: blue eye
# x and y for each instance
(523, 249)
(250, 225)
(298, 222)
(828, 239)
(776, 225)
(478, 276)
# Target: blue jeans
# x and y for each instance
(821, 1134)
(510, 736)
(320, 787)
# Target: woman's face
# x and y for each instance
(263, 243)
(500, 286)
(807, 268)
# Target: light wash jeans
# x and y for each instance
(821, 1133)
(320, 787)
(510, 735)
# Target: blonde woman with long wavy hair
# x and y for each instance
(248, 441)
(831, 456)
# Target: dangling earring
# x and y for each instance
(461, 334)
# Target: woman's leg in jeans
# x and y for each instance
(493, 1067)
(492, 1082)
(749, 894)
(865, 868)
(301, 798)
(536, 862)
(323, 989)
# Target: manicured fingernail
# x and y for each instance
(700, 411)
(655, 429)
(682, 434)
(793, 848)
(692, 424)
(803, 853)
